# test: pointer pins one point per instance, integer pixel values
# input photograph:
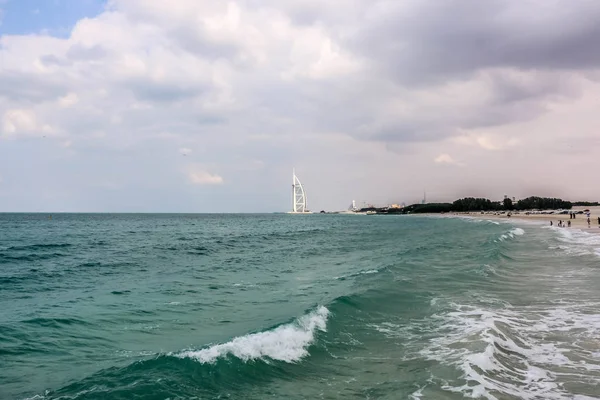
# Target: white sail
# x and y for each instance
(298, 195)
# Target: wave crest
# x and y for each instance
(286, 343)
(511, 234)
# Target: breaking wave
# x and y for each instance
(504, 352)
(287, 343)
(577, 242)
(511, 234)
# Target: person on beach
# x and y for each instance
(569, 224)
(550, 223)
(598, 222)
(589, 222)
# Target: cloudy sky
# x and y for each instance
(205, 106)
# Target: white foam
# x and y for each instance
(511, 234)
(371, 271)
(367, 272)
(287, 343)
(577, 242)
(416, 395)
(505, 350)
(517, 232)
(389, 329)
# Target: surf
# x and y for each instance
(286, 343)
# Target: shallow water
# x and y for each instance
(116, 306)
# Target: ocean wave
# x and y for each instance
(55, 322)
(9, 257)
(578, 242)
(517, 232)
(287, 343)
(364, 272)
(40, 246)
(504, 351)
(511, 234)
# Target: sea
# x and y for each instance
(277, 306)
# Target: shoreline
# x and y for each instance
(580, 222)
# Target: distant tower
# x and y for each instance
(424, 201)
(298, 195)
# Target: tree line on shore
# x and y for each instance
(480, 204)
(586, 204)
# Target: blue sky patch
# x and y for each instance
(54, 17)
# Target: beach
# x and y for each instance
(580, 222)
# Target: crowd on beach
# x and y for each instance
(573, 215)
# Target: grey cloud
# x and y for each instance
(431, 42)
(146, 90)
(75, 53)
(82, 53)
(409, 131)
(508, 89)
(487, 117)
(183, 36)
(50, 60)
(24, 87)
(193, 40)
(427, 44)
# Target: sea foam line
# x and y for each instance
(288, 343)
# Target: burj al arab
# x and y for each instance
(298, 196)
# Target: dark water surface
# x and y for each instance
(117, 306)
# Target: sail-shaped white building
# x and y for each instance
(298, 196)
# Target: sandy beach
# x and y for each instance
(580, 222)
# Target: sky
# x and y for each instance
(206, 106)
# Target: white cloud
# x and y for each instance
(487, 141)
(18, 120)
(199, 177)
(446, 159)
(68, 100)
(23, 122)
(185, 151)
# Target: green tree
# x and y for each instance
(508, 204)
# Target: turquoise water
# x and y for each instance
(115, 306)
